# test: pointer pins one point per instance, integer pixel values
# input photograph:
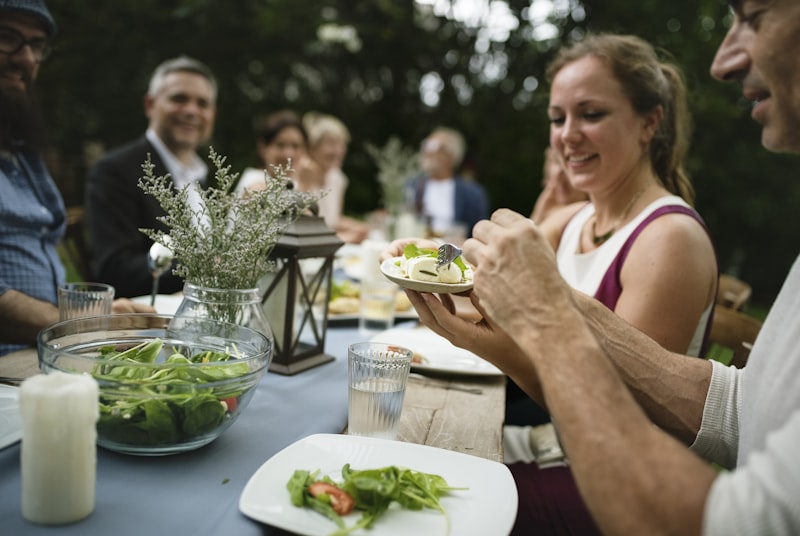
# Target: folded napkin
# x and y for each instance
(533, 444)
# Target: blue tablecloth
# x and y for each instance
(197, 493)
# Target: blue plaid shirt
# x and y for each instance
(32, 222)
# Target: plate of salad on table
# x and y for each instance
(345, 303)
(395, 488)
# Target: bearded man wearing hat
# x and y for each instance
(32, 214)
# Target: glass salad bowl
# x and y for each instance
(167, 384)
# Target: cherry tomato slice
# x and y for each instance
(341, 501)
(230, 403)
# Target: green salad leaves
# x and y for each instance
(372, 490)
(411, 251)
(164, 403)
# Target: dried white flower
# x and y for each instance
(231, 247)
(396, 164)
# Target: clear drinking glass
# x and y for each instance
(377, 304)
(378, 374)
(76, 300)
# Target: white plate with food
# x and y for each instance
(10, 418)
(353, 268)
(434, 353)
(348, 250)
(399, 316)
(392, 269)
(487, 506)
(345, 303)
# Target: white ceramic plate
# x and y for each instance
(392, 271)
(166, 304)
(489, 506)
(10, 419)
(399, 316)
(349, 250)
(348, 259)
(353, 268)
(437, 353)
(351, 307)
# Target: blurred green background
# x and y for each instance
(401, 67)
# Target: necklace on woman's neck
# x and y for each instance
(603, 238)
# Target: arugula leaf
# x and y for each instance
(159, 422)
(298, 490)
(202, 414)
(146, 352)
(411, 250)
(298, 484)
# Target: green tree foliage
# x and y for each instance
(397, 68)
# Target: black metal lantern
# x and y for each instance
(297, 294)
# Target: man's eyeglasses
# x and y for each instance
(12, 42)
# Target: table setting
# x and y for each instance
(450, 425)
(196, 492)
(283, 411)
(203, 416)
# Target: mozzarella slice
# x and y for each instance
(424, 269)
(450, 273)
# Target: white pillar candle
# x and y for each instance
(59, 415)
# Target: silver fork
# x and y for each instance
(446, 254)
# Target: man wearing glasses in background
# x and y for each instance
(32, 214)
(452, 204)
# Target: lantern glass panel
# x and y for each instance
(275, 303)
(310, 304)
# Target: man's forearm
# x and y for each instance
(22, 317)
(671, 388)
(635, 478)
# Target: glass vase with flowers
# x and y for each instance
(221, 246)
(396, 164)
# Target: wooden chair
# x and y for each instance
(75, 244)
(735, 331)
(733, 292)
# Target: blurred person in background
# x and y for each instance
(32, 213)
(439, 194)
(282, 140)
(328, 140)
(180, 106)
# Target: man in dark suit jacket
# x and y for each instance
(439, 194)
(181, 106)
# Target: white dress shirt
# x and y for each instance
(192, 175)
(439, 203)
